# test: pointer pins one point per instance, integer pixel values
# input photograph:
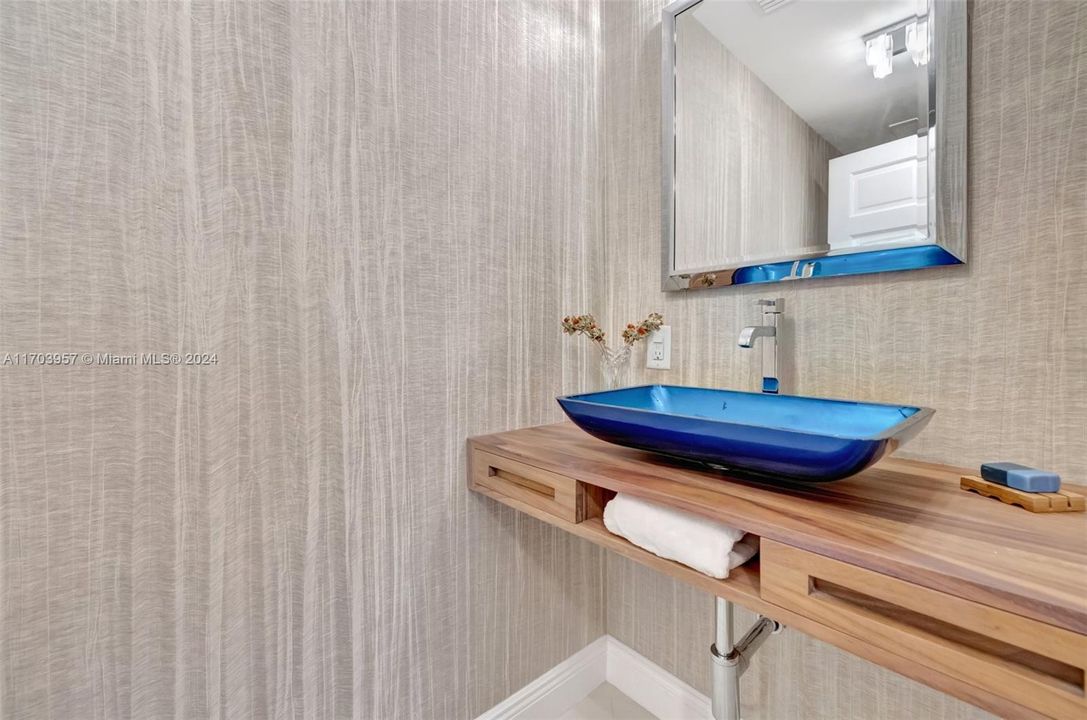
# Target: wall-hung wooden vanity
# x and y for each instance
(978, 599)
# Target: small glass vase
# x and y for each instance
(615, 366)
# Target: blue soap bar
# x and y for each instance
(1021, 477)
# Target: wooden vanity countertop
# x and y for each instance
(902, 518)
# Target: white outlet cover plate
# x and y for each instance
(658, 349)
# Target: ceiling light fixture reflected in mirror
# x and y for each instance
(917, 42)
(909, 35)
(878, 53)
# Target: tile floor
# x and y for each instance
(607, 703)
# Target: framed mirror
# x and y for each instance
(811, 138)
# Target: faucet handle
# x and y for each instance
(775, 306)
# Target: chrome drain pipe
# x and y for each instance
(731, 660)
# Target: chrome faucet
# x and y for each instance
(771, 312)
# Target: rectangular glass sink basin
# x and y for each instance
(787, 437)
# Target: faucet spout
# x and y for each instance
(771, 314)
(749, 334)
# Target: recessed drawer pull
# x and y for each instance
(1044, 669)
(1036, 665)
(531, 485)
(556, 494)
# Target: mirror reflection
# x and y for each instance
(803, 130)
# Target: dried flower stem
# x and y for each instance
(587, 325)
(634, 333)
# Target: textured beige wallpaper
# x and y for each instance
(755, 174)
(998, 347)
(364, 209)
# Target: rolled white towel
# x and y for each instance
(706, 545)
(743, 551)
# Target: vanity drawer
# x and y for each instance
(556, 494)
(1030, 663)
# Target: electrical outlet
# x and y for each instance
(658, 349)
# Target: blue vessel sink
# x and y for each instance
(784, 437)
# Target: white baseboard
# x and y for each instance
(605, 659)
(651, 686)
(557, 690)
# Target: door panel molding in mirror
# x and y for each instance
(792, 140)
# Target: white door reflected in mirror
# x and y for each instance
(878, 197)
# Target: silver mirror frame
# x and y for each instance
(947, 175)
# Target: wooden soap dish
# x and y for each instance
(1060, 501)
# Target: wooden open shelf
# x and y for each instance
(741, 586)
